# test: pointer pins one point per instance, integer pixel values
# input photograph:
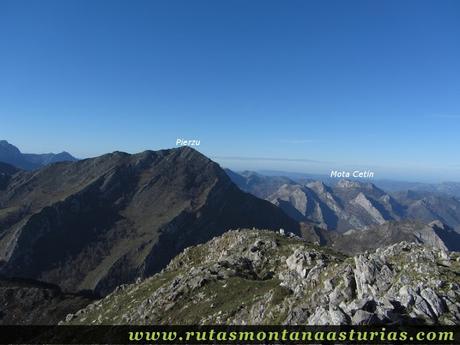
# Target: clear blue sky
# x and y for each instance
(345, 84)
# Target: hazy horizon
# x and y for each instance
(280, 165)
(297, 86)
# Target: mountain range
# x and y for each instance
(29, 161)
(349, 204)
(73, 231)
(96, 223)
(450, 188)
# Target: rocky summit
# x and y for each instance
(263, 277)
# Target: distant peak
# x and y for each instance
(64, 153)
(355, 184)
(5, 143)
(317, 185)
(349, 184)
(189, 151)
(7, 147)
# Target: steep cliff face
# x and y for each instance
(97, 223)
(262, 277)
(306, 204)
(347, 205)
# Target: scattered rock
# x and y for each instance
(263, 277)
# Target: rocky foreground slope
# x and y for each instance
(263, 277)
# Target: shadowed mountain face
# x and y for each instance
(96, 223)
(352, 204)
(26, 302)
(6, 171)
(29, 161)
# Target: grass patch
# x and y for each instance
(224, 298)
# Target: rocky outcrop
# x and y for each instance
(262, 277)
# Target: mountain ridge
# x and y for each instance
(99, 222)
(351, 204)
(30, 161)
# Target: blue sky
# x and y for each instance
(307, 85)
